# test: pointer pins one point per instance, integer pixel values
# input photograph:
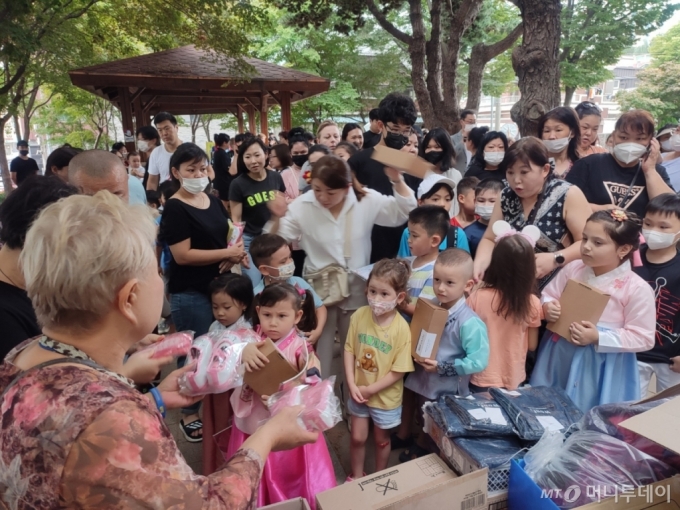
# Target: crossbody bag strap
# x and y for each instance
(624, 203)
(347, 242)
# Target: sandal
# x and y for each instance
(399, 443)
(187, 429)
(412, 453)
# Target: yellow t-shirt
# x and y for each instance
(378, 352)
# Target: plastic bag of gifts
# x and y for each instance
(236, 233)
(217, 358)
(175, 345)
(321, 407)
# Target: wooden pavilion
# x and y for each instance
(190, 81)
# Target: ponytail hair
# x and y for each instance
(300, 298)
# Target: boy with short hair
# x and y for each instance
(487, 193)
(272, 256)
(661, 269)
(466, 201)
(438, 190)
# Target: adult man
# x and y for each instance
(397, 115)
(373, 136)
(159, 160)
(221, 163)
(468, 121)
(22, 166)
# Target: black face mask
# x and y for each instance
(395, 140)
(300, 159)
(23, 153)
(434, 157)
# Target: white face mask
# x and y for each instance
(284, 272)
(381, 307)
(658, 240)
(672, 144)
(142, 145)
(555, 146)
(195, 186)
(494, 158)
(470, 127)
(628, 152)
(484, 211)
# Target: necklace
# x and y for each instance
(10, 280)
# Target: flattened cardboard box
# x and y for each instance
(579, 302)
(291, 504)
(266, 381)
(427, 327)
(404, 161)
(422, 484)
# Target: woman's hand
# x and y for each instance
(545, 264)
(283, 431)
(253, 358)
(169, 389)
(235, 253)
(393, 174)
(649, 161)
(278, 206)
(142, 369)
(584, 333)
(552, 311)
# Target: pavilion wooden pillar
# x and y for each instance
(286, 119)
(126, 114)
(252, 126)
(239, 119)
(264, 124)
(139, 113)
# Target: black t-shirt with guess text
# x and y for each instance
(253, 196)
(603, 181)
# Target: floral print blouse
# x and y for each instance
(73, 437)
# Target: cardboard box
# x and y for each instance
(424, 483)
(266, 381)
(404, 161)
(291, 504)
(427, 327)
(579, 302)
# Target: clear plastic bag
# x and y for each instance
(175, 344)
(321, 407)
(236, 233)
(590, 459)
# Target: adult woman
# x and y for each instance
(345, 150)
(472, 140)
(194, 225)
(328, 134)
(91, 273)
(353, 133)
(279, 157)
(669, 139)
(590, 119)
(535, 197)
(58, 160)
(319, 219)
(489, 160)
(561, 135)
(629, 177)
(249, 194)
(17, 213)
(413, 144)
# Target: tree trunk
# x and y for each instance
(481, 55)
(536, 63)
(568, 95)
(17, 127)
(4, 165)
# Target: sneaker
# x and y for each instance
(399, 443)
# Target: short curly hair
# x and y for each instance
(398, 109)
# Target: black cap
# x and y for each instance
(22, 142)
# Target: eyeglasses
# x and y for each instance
(395, 130)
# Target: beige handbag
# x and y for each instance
(332, 282)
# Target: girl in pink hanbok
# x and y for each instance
(598, 365)
(307, 470)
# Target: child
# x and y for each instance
(661, 269)
(466, 201)
(153, 200)
(135, 165)
(232, 298)
(511, 311)
(272, 256)
(377, 355)
(306, 470)
(487, 193)
(436, 189)
(464, 345)
(598, 366)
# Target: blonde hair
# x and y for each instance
(80, 252)
(324, 125)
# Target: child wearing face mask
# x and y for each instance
(487, 193)
(272, 257)
(377, 355)
(661, 269)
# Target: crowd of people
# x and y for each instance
(335, 247)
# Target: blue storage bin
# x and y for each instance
(523, 493)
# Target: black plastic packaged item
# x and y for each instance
(481, 413)
(494, 453)
(536, 409)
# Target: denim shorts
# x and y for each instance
(382, 418)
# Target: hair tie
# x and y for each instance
(619, 215)
(503, 229)
(300, 291)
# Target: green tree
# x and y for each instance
(595, 34)
(666, 47)
(658, 92)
